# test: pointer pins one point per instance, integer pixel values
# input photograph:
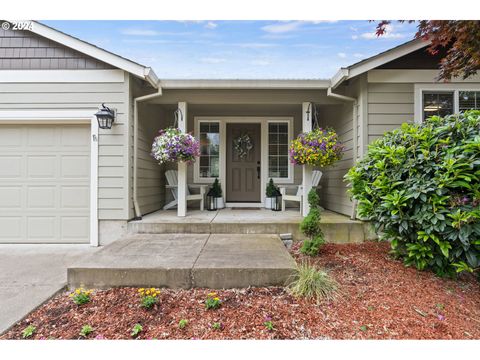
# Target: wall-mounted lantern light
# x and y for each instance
(105, 117)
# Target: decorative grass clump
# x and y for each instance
(309, 282)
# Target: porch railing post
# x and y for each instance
(182, 167)
(307, 170)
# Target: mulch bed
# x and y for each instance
(380, 299)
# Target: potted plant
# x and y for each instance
(319, 147)
(173, 145)
(271, 191)
(216, 191)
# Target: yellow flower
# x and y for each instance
(212, 294)
(216, 299)
(77, 291)
(152, 289)
(141, 290)
(147, 292)
(154, 294)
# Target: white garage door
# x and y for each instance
(44, 183)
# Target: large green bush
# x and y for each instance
(419, 185)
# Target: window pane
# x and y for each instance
(278, 150)
(440, 104)
(209, 149)
(469, 100)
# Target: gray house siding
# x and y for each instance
(389, 105)
(23, 50)
(112, 183)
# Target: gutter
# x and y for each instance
(136, 101)
(353, 215)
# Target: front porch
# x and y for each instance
(337, 228)
(219, 117)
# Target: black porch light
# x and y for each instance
(277, 201)
(211, 200)
(105, 117)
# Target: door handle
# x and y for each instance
(258, 172)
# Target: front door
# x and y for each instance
(243, 162)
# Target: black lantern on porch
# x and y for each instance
(277, 201)
(105, 117)
(211, 200)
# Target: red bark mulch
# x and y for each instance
(380, 299)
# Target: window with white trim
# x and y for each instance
(209, 149)
(278, 141)
(447, 102)
(468, 100)
(437, 103)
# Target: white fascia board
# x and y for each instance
(377, 60)
(391, 55)
(47, 115)
(93, 51)
(62, 76)
(338, 78)
(244, 84)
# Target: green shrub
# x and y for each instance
(136, 330)
(271, 189)
(310, 226)
(28, 331)
(86, 330)
(216, 189)
(419, 185)
(312, 283)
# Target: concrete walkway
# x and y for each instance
(30, 275)
(186, 261)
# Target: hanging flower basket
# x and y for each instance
(172, 145)
(319, 147)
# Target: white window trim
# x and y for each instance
(419, 89)
(263, 121)
(67, 117)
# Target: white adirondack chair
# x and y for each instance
(172, 184)
(298, 197)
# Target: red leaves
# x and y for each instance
(461, 37)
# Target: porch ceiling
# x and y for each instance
(245, 96)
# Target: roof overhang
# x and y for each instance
(244, 84)
(120, 62)
(377, 60)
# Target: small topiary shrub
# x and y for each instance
(420, 186)
(310, 226)
(271, 190)
(216, 189)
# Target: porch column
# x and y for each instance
(307, 110)
(182, 167)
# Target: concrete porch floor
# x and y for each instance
(337, 228)
(186, 261)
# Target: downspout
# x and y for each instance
(136, 101)
(353, 215)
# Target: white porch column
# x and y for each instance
(182, 167)
(307, 170)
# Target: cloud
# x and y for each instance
(342, 55)
(261, 62)
(212, 60)
(354, 37)
(282, 27)
(210, 25)
(256, 45)
(139, 32)
(389, 34)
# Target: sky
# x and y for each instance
(239, 49)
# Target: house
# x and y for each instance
(64, 180)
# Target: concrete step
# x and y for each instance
(337, 228)
(186, 261)
(351, 232)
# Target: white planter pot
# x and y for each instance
(268, 203)
(220, 203)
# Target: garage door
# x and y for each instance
(44, 183)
